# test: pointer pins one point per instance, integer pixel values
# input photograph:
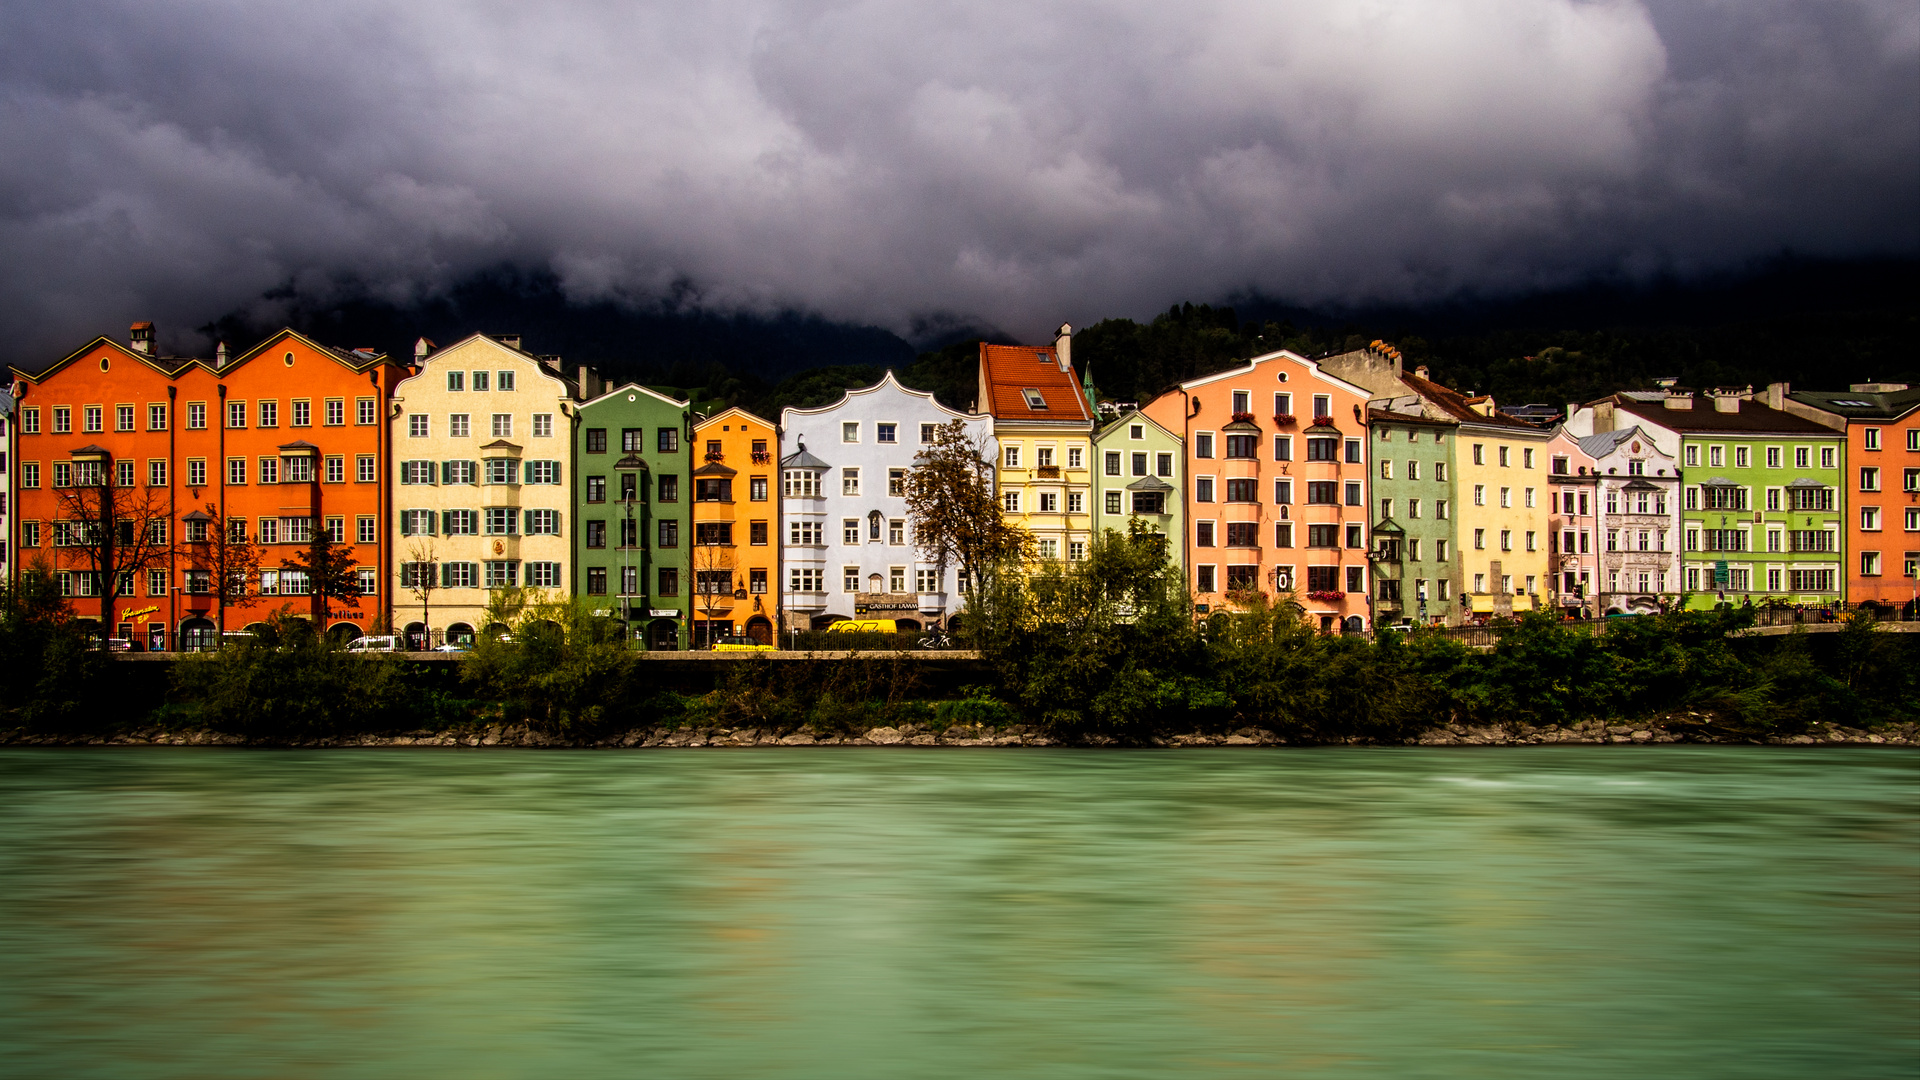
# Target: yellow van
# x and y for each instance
(864, 626)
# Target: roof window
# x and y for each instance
(1034, 400)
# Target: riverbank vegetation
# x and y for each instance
(1104, 650)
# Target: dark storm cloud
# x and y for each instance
(1017, 162)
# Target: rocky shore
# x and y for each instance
(1677, 729)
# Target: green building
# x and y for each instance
(1417, 565)
(632, 500)
(1762, 506)
(1139, 472)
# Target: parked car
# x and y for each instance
(117, 644)
(377, 644)
(737, 643)
(864, 626)
(1401, 627)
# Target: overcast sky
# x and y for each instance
(1018, 162)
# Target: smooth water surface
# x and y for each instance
(847, 913)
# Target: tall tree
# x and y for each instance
(956, 517)
(113, 530)
(222, 562)
(331, 570)
(713, 570)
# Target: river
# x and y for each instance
(851, 913)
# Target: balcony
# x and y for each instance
(762, 458)
(1047, 472)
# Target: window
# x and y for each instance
(1034, 399)
(804, 532)
(850, 432)
(1910, 478)
(1386, 468)
(270, 470)
(1826, 457)
(667, 440)
(1049, 549)
(1354, 494)
(1323, 579)
(1869, 479)
(1479, 494)
(1043, 457)
(1243, 534)
(1203, 489)
(301, 414)
(1810, 581)
(336, 470)
(30, 420)
(1323, 492)
(1354, 448)
(459, 426)
(1049, 502)
(502, 520)
(1242, 490)
(1112, 500)
(1323, 449)
(1112, 460)
(63, 419)
(1355, 539)
(543, 472)
(800, 484)
(1203, 534)
(334, 412)
(1532, 546)
(503, 425)
(1323, 536)
(1870, 519)
(897, 483)
(543, 523)
(157, 473)
(502, 573)
(1010, 502)
(123, 474)
(596, 533)
(1242, 401)
(708, 489)
(927, 433)
(1529, 499)
(849, 579)
(886, 433)
(1241, 446)
(850, 481)
(757, 533)
(501, 471)
(1203, 579)
(808, 580)
(1506, 497)
(668, 531)
(1203, 444)
(1283, 534)
(1283, 448)
(543, 425)
(1870, 564)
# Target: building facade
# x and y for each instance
(1638, 534)
(482, 452)
(1761, 503)
(1043, 428)
(847, 544)
(632, 466)
(1573, 527)
(1140, 475)
(734, 558)
(271, 447)
(1278, 499)
(1416, 569)
(1882, 424)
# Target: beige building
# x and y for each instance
(481, 496)
(1043, 425)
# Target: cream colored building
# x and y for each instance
(481, 492)
(1043, 424)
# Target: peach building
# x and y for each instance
(1277, 486)
(735, 554)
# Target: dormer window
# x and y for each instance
(1034, 400)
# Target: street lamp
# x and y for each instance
(629, 469)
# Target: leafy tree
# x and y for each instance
(52, 676)
(420, 575)
(290, 680)
(956, 519)
(332, 571)
(563, 669)
(223, 563)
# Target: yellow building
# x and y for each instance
(1500, 504)
(1043, 425)
(736, 525)
(481, 438)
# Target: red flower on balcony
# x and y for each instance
(1243, 418)
(1283, 418)
(1326, 597)
(1326, 421)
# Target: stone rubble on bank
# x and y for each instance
(1677, 728)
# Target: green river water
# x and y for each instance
(850, 913)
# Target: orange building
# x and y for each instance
(270, 442)
(1881, 483)
(1276, 498)
(736, 524)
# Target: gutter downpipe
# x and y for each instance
(173, 517)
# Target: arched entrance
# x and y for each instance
(341, 633)
(198, 635)
(416, 635)
(907, 624)
(1354, 624)
(497, 631)
(760, 630)
(663, 635)
(460, 634)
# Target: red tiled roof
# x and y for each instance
(1460, 407)
(1007, 372)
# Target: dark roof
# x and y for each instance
(1457, 405)
(714, 468)
(802, 459)
(1149, 483)
(1385, 416)
(1754, 418)
(1858, 405)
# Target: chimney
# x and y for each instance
(1421, 372)
(220, 355)
(1877, 387)
(1777, 395)
(421, 349)
(1604, 417)
(1063, 346)
(1679, 399)
(141, 338)
(511, 341)
(586, 392)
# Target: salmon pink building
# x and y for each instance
(1276, 475)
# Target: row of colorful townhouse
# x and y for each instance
(1368, 493)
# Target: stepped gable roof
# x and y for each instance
(1007, 372)
(1862, 405)
(1754, 418)
(1460, 406)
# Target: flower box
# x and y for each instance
(1243, 418)
(1323, 421)
(1327, 597)
(1283, 418)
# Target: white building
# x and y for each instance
(1637, 538)
(848, 546)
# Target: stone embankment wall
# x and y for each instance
(1686, 728)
